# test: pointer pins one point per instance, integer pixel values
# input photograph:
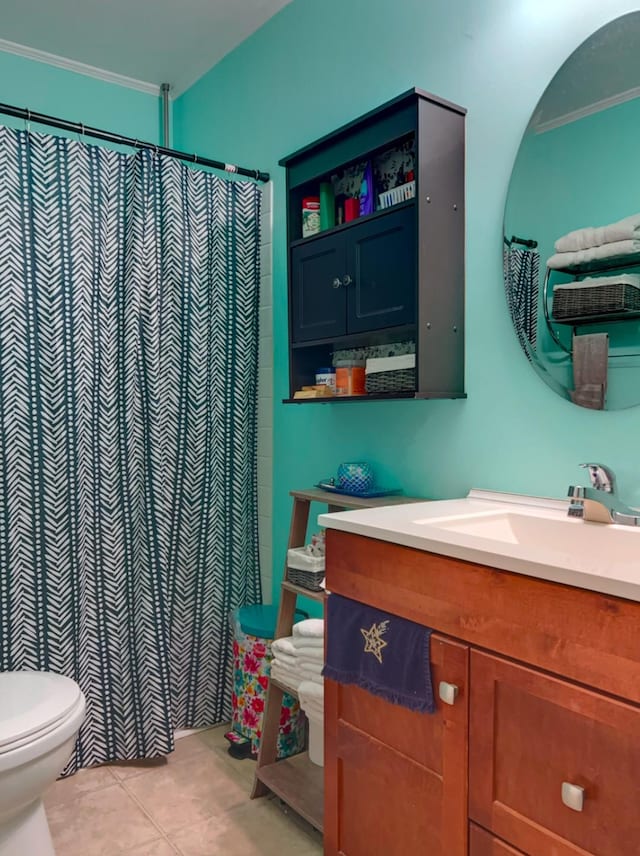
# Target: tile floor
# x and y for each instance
(194, 803)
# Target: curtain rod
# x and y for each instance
(96, 133)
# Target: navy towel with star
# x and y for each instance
(384, 654)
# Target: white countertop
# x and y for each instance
(526, 535)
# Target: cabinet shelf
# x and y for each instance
(355, 340)
(343, 227)
(341, 399)
(298, 782)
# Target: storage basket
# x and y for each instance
(304, 570)
(611, 299)
(391, 374)
(397, 195)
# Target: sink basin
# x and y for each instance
(598, 542)
(510, 532)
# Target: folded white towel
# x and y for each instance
(313, 655)
(309, 627)
(595, 281)
(283, 645)
(606, 251)
(285, 660)
(290, 677)
(312, 691)
(596, 236)
(307, 642)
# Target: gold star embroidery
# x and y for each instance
(374, 643)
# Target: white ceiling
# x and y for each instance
(603, 71)
(164, 41)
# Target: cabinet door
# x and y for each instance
(395, 780)
(318, 296)
(381, 261)
(536, 743)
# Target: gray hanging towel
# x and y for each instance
(522, 288)
(590, 363)
(384, 654)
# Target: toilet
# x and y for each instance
(40, 716)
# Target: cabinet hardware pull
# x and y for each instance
(448, 692)
(573, 796)
(336, 282)
(346, 279)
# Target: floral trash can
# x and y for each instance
(253, 631)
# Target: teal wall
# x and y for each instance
(317, 65)
(591, 178)
(77, 97)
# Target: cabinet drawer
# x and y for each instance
(482, 843)
(395, 780)
(538, 743)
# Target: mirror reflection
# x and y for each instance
(572, 225)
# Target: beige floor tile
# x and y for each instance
(106, 822)
(257, 829)
(84, 781)
(159, 847)
(186, 747)
(128, 769)
(189, 791)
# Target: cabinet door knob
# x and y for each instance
(573, 796)
(336, 282)
(346, 279)
(448, 692)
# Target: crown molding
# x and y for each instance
(79, 67)
(589, 110)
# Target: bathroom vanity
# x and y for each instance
(535, 744)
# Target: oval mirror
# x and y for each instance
(572, 225)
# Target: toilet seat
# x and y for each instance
(33, 704)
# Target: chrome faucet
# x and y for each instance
(597, 503)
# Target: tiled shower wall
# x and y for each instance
(265, 396)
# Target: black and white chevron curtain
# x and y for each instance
(128, 390)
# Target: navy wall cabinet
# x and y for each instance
(396, 274)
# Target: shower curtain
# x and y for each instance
(128, 372)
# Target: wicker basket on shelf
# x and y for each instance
(579, 302)
(391, 374)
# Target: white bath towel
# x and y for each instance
(284, 645)
(314, 655)
(596, 236)
(313, 627)
(559, 261)
(290, 677)
(285, 660)
(313, 691)
(307, 642)
(311, 672)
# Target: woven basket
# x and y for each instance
(393, 381)
(306, 579)
(613, 299)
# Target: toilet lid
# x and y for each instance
(32, 703)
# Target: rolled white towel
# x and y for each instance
(307, 642)
(313, 627)
(596, 236)
(308, 666)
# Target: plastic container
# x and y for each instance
(253, 631)
(397, 194)
(327, 206)
(327, 377)
(350, 377)
(310, 216)
(316, 737)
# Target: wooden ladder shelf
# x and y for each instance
(296, 780)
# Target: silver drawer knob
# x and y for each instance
(573, 796)
(448, 692)
(337, 282)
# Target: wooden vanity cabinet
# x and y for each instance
(395, 780)
(548, 712)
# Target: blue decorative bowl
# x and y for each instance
(356, 477)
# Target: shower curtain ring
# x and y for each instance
(195, 158)
(28, 120)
